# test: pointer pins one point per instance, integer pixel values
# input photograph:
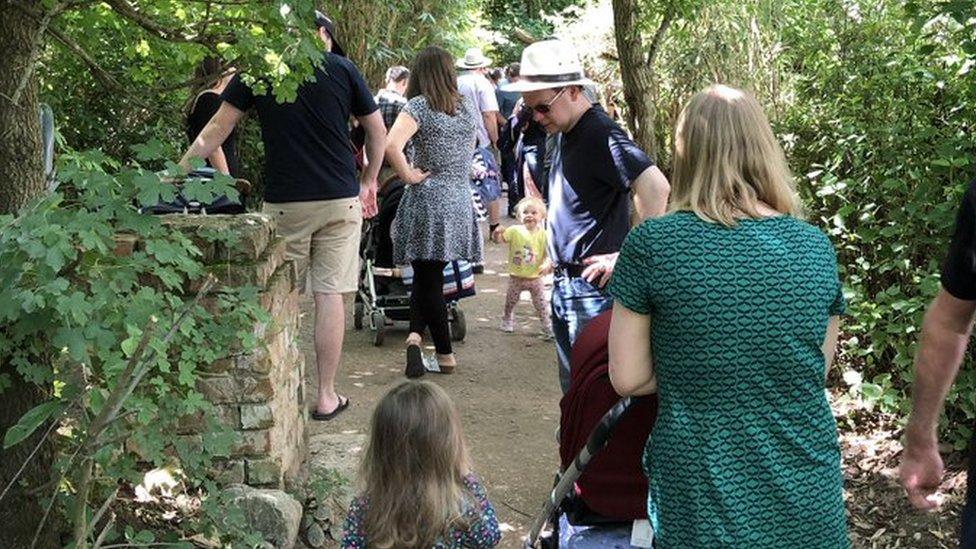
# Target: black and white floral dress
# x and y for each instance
(435, 220)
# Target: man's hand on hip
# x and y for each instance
(599, 268)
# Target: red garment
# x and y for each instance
(613, 484)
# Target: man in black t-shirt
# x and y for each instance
(596, 169)
(945, 334)
(311, 186)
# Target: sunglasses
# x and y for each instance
(544, 108)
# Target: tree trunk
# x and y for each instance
(21, 180)
(21, 164)
(636, 74)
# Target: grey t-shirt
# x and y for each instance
(479, 90)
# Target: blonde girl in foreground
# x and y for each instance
(419, 490)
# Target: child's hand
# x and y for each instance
(546, 268)
(498, 235)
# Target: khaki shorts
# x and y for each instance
(323, 235)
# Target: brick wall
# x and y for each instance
(259, 394)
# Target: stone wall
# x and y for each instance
(259, 394)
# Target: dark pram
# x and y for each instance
(384, 288)
(601, 488)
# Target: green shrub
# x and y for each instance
(101, 329)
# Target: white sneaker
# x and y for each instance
(431, 365)
(508, 326)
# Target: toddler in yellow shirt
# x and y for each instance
(528, 261)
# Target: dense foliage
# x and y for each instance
(514, 23)
(881, 125)
(118, 336)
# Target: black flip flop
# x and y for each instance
(415, 362)
(319, 416)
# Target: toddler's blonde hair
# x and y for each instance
(530, 201)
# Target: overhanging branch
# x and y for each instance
(659, 34)
(100, 73)
(129, 11)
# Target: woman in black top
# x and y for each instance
(202, 109)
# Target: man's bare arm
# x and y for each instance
(945, 334)
(491, 124)
(375, 144)
(651, 190)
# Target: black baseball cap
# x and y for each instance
(322, 21)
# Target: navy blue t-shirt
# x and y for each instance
(959, 269)
(307, 154)
(959, 280)
(593, 166)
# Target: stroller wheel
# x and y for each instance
(357, 316)
(458, 326)
(379, 328)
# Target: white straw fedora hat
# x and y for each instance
(473, 59)
(549, 64)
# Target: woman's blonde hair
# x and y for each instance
(727, 160)
(413, 468)
(530, 201)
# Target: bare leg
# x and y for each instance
(330, 328)
(494, 212)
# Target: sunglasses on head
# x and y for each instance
(544, 108)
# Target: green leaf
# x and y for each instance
(73, 339)
(129, 344)
(144, 536)
(871, 392)
(31, 421)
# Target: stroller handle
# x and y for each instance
(597, 441)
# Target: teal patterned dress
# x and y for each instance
(744, 452)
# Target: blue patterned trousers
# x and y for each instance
(574, 303)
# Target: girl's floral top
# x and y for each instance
(483, 533)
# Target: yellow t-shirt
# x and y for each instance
(526, 251)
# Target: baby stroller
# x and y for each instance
(384, 288)
(601, 489)
(181, 204)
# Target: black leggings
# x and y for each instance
(427, 306)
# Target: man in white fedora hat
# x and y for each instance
(473, 84)
(596, 170)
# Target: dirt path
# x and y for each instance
(505, 386)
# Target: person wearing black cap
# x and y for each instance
(327, 26)
(311, 186)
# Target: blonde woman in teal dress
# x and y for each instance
(728, 308)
